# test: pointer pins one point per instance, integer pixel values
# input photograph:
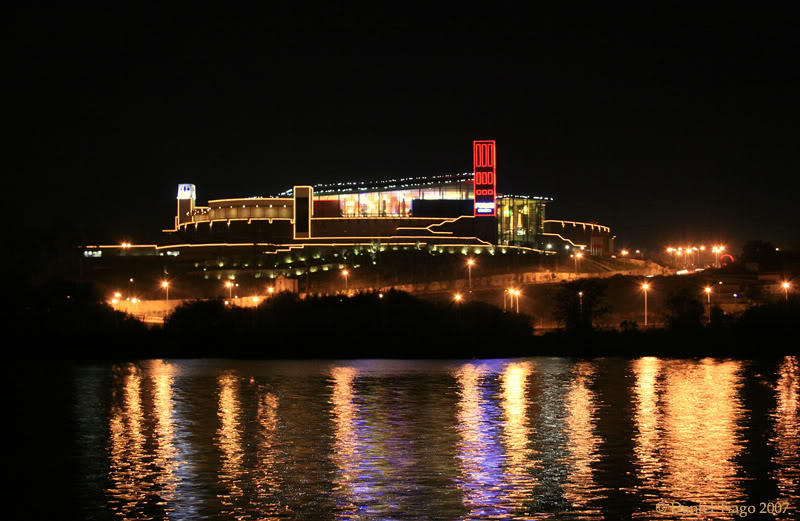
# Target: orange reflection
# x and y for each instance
(345, 454)
(647, 419)
(582, 443)
(162, 375)
(128, 470)
(229, 443)
(265, 474)
(517, 431)
(787, 428)
(702, 413)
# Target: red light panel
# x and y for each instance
(484, 162)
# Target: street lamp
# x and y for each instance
(130, 289)
(470, 262)
(578, 255)
(457, 297)
(580, 298)
(645, 288)
(707, 289)
(345, 273)
(229, 285)
(786, 285)
(271, 290)
(165, 285)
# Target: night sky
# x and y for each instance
(667, 125)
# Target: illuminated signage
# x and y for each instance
(484, 156)
(186, 191)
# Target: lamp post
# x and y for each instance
(457, 298)
(645, 287)
(345, 273)
(577, 256)
(229, 285)
(130, 287)
(470, 262)
(506, 292)
(165, 285)
(786, 285)
(580, 299)
(708, 295)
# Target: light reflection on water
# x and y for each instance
(500, 439)
(786, 437)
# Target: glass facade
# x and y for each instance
(520, 220)
(394, 203)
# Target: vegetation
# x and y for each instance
(580, 304)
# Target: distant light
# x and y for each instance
(707, 289)
(786, 285)
(645, 286)
(457, 297)
(165, 284)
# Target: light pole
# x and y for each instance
(505, 293)
(580, 299)
(165, 285)
(786, 285)
(345, 273)
(457, 298)
(470, 262)
(229, 285)
(708, 294)
(578, 255)
(130, 288)
(516, 293)
(645, 287)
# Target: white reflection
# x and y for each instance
(479, 451)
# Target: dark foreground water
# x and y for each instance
(541, 438)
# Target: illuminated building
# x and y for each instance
(456, 213)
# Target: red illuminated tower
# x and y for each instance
(484, 160)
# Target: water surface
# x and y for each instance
(539, 438)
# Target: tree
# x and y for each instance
(580, 303)
(684, 310)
